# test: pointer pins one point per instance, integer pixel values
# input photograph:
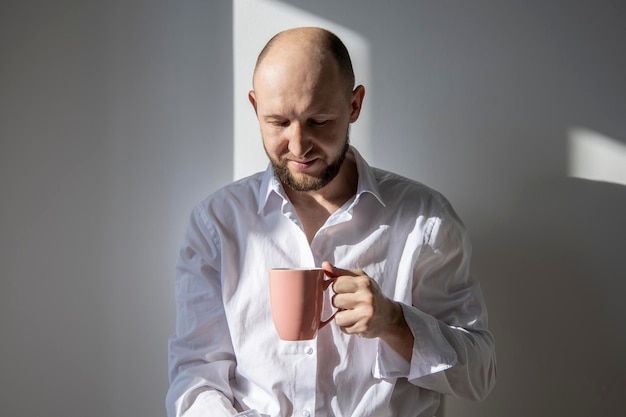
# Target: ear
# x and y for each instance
(252, 99)
(357, 102)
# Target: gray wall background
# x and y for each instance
(116, 118)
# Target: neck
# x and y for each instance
(315, 207)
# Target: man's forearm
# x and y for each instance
(398, 335)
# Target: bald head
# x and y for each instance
(310, 48)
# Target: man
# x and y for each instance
(411, 322)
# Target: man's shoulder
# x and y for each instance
(242, 191)
(394, 184)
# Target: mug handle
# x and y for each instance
(326, 284)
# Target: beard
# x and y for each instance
(306, 182)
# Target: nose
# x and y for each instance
(299, 142)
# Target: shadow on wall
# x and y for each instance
(556, 279)
(554, 275)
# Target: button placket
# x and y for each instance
(305, 384)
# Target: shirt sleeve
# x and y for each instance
(201, 357)
(454, 351)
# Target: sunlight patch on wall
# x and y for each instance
(594, 156)
(254, 23)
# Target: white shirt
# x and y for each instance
(226, 358)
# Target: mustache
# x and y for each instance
(292, 157)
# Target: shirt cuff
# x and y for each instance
(214, 404)
(389, 364)
(431, 351)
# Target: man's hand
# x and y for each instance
(365, 311)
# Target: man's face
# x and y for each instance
(304, 114)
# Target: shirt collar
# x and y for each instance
(366, 184)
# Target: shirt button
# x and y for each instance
(308, 351)
(306, 413)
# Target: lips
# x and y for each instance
(302, 164)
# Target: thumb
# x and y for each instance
(333, 272)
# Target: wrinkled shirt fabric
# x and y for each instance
(225, 357)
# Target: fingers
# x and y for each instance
(364, 310)
(354, 298)
(353, 291)
(347, 281)
(343, 277)
(355, 320)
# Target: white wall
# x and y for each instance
(116, 117)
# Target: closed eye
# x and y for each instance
(278, 123)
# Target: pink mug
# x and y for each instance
(296, 296)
